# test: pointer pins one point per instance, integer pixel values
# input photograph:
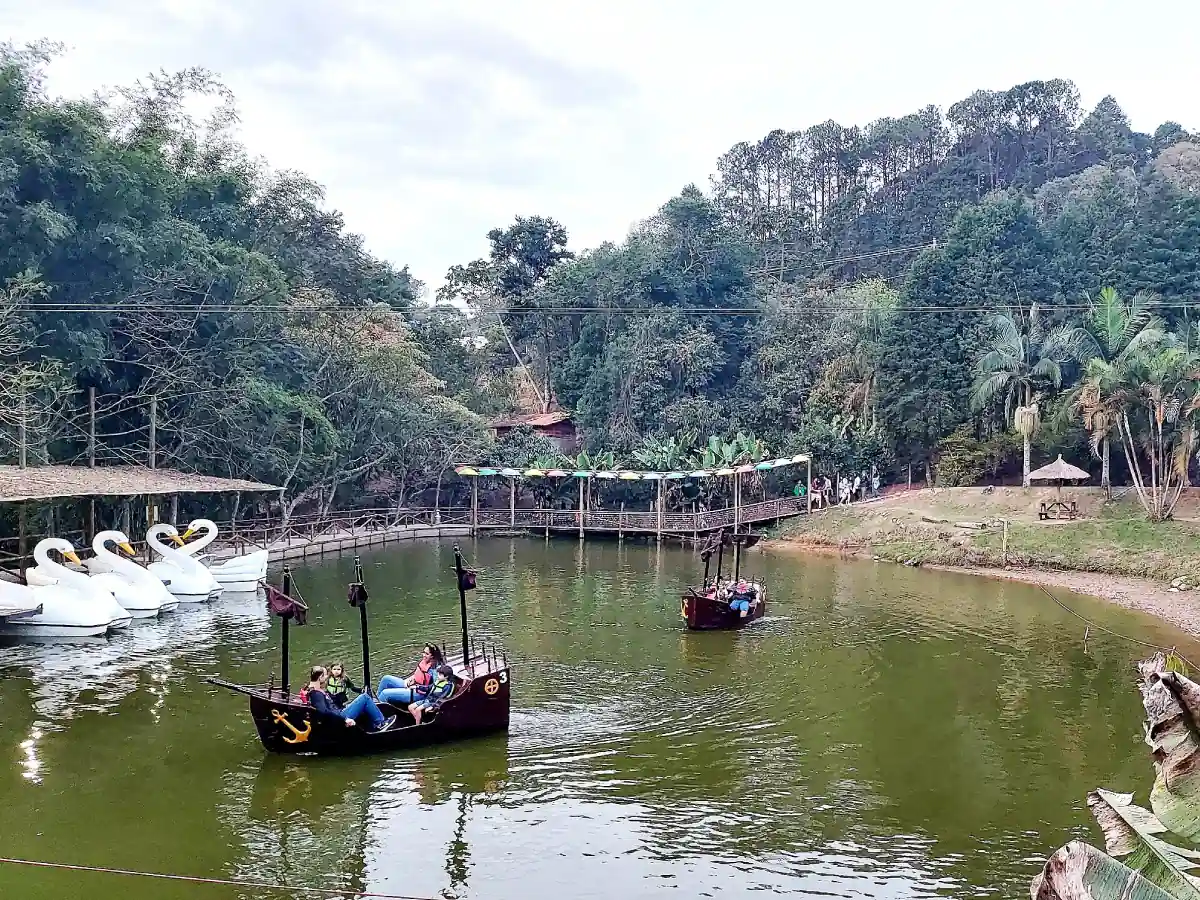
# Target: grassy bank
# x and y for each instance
(964, 527)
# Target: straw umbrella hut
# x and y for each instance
(1058, 472)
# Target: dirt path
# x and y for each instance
(1180, 608)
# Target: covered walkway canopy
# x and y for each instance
(51, 482)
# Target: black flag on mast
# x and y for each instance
(357, 594)
(467, 579)
(286, 607)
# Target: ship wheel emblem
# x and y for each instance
(300, 736)
(491, 686)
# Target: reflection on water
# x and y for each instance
(884, 733)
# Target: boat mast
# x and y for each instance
(462, 603)
(737, 558)
(720, 553)
(362, 622)
(287, 591)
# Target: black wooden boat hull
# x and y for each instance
(285, 725)
(706, 614)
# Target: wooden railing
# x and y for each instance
(641, 522)
(249, 534)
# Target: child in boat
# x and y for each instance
(340, 685)
(431, 697)
(402, 691)
(317, 696)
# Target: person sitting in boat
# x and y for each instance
(431, 696)
(340, 685)
(742, 596)
(402, 691)
(317, 696)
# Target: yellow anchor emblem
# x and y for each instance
(300, 736)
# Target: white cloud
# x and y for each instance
(431, 123)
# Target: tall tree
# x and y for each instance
(1024, 359)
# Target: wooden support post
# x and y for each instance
(659, 520)
(474, 506)
(621, 523)
(737, 501)
(582, 489)
(808, 493)
(175, 510)
(1004, 545)
(91, 428)
(22, 540)
(153, 455)
(512, 503)
(22, 433)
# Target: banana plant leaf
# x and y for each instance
(1079, 871)
(1172, 703)
(1131, 834)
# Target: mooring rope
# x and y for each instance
(1116, 634)
(195, 879)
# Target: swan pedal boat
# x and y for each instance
(238, 573)
(188, 580)
(72, 606)
(139, 591)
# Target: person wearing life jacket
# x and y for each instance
(340, 685)
(431, 696)
(402, 691)
(317, 696)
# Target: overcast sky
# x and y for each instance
(431, 122)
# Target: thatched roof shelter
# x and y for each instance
(1059, 471)
(52, 482)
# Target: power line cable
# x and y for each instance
(193, 879)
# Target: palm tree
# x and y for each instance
(1115, 332)
(1154, 400)
(1024, 357)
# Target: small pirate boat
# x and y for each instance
(478, 705)
(723, 603)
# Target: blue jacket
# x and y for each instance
(323, 703)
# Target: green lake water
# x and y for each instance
(883, 732)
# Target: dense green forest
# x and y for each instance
(956, 295)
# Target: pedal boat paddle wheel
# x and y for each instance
(478, 706)
(723, 603)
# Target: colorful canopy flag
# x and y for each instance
(632, 474)
(280, 604)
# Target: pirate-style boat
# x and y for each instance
(724, 603)
(285, 724)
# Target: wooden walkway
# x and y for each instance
(681, 524)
